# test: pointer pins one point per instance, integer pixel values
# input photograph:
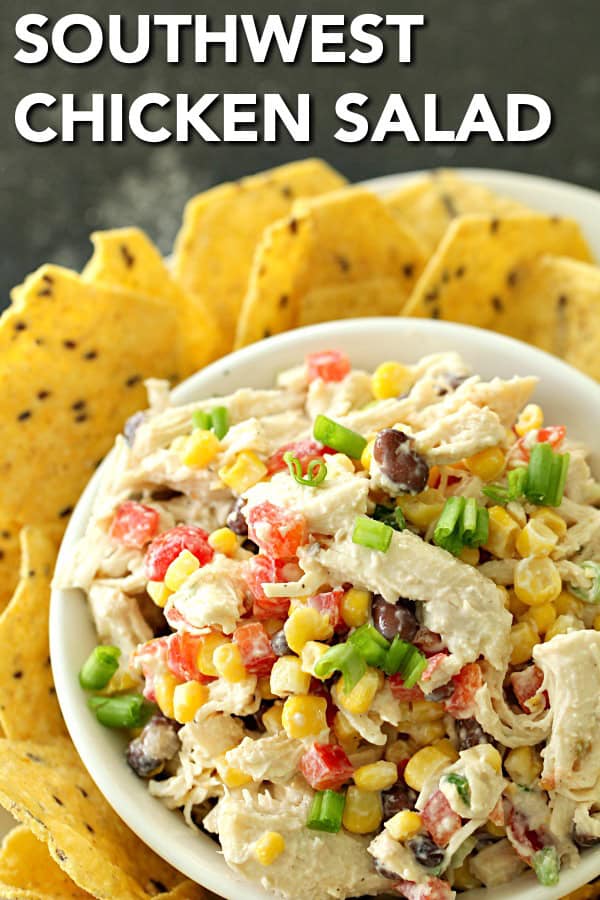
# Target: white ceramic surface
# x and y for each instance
(566, 395)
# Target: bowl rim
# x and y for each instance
(226, 882)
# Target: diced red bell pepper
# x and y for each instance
(326, 767)
(182, 657)
(405, 695)
(151, 658)
(330, 603)
(278, 532)
(524, 839)
(134, 524)
(263, 570)
(526, 684)
(304, 451)
(433, 663)
(432, 889)
(466, 684)
(168, 545)
(255, 648)
(330, 365)
(553, 435)
(439, 819)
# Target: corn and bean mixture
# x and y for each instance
(351, 626)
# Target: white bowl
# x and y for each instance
(567, 397)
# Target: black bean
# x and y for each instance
(391, 619)
(279, 644)
(426, 852)
(441, 693)
(236, 520)
(399, 797)
(402, 465)
(384, 871)
(469, 733)
(156, 745)
(131, 426)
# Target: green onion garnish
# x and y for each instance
(343, 658)
(220, 421)
(338, 437)
(462, 524)
(546, 865)
(99, 668)
(121, 711)
(592, 594)
(202, 419)
(412, 665)
(390, 515)
(542, 482)
(371, 533)
(326, 811)
(371, 645)
(462, 786)
(517, 479)
(316, 471)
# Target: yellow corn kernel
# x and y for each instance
(488, 464)
(164, 688)
(537, 581)
(390, 379)
(492, 757)
(551, 519)
(503, 533)
(227, 661)
(446, 746)
(400, 750)
(304, 716)
(426, 711)
(180, 570)
(523, 638)
(159, 592)
(543, 617)
(306, 624)
(348, 737)
(517, 511)
(269, 847)
(224, 541)
(310, 655)
(423, 765)
(246, 471)
(563, 625)
(272, 626)
(120, 682)
(469, 555)
(360, 698)
(404, 825)
(231, 776)
(524, 765)
(271, 718)
(423, 509)
(378, 776)
(208, 645)
(596, 622)
(515, 605)
(366, 456)
(287, 677)
(536, 539)
(363, 811)
(355, 607)
(568, 604)
(263, 689)
(200, 449)
(425, 732)
(531, 417)
(495, 830)
(187, 700)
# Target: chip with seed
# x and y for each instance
(335, 256)
(10, 555)
(73, 358)
(126, 257)
(223, 226)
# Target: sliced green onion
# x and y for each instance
(220, 421)
(462, 786)
(592, 594)
(371, 533)
(390, 515)
(338, 437)
(560, 469)
(202, 419)
(517, 481)
(396, 655)
(316, 471)
(546, 865)
(342, 658)
(371, 645)
(413, 667)
(121, 711)
(326, 811)
(546, 475)
(99, 668)
(447, 534)
(482, 529)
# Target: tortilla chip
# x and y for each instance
(222, 228)
(47, 788)
(28, 705)
(469, 279)
(431, 203)
(559, 304)
(10, 555)
(28, 872)
(127, 258)
(325, 261)
(73, 357)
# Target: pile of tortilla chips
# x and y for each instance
(271, 252)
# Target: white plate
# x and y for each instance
(567, 396)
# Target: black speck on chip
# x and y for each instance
(64, 513)
(90, 354)
(267, 332)
(82, 791)
(293, 226)
(460, 272)
(445, 276)
(287, 192)
(497, 304)
(26, 414)
(45, 292)
(494, 225)
(89, 828)
(158, 885)
(34, 757)
(431, 296)
(70, 345)
(20, 326)
(31, 573)
(78, 405)
(57, 800)
(283, 301)
(48, 279)
(555, 219)
(43, 395)
(61, 854)
(133, 380)
(1, 554)
(435, 313)
(408, 270)
(343, 263)
(449, 204)
(128, 257)
(562, 301)
(81, 417)
(512, 278)
(18, 674)
(39, 342)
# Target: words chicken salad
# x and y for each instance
(352, 626)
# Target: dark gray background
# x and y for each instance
(54, 195)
